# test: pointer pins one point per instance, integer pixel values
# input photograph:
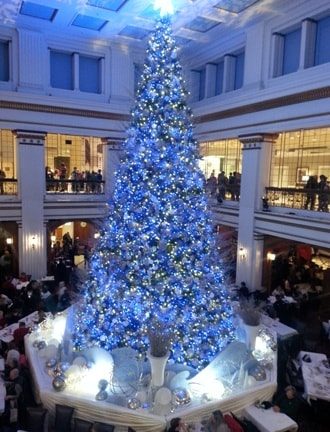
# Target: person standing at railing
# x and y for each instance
(2, 177)
(311, 189)
(62, 176)
(324, 192)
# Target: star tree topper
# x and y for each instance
(165, 7)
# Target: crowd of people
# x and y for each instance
(220, 186)
(58, 180)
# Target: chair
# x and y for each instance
(63, 416)
(103, 427)
(82, 425)
(36, 418)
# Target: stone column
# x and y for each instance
(32, 243)
(112, 153)
(257, 150)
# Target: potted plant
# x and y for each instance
(160, 338)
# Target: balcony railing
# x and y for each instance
(74, 187)
(307, 199)
(8, 187)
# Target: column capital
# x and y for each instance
(113, 143)
(258, 236)
(30, 137)
(254, 141)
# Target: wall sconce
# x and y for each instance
(53, 240)
(271, 256)
(96, 235)
(9, 240)
(242, 252)
(33, 242)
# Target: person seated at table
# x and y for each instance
(2, 320)
(5, 302)
(281, 309)
(13, 355)
(23, 277)
(288, 403)
(278, 291)
(216, 423)
(177, 425)
(13, 398)
(19, 334)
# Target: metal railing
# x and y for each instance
(75, 186)
(303, 199)
(8, 187)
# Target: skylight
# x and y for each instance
(134, 32)
(38, 11)
(201, 24)
(113, 5)
(235, 6)
(89, 22)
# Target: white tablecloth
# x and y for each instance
(269, 420)
(140, 420)
(315, 375)
(283, 331)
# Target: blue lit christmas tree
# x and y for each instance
(156, 259)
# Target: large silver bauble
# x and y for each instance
(59, 383)
(103, 384)
(133, 403)
(101, 395)
(181, 397)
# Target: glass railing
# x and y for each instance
(8, 187)
(303, 199)
(74, 186)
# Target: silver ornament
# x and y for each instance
(181, 397)
(133, 403)
(50, 363)
(59, 383)
(63, 366)
(103, 384)
(41, 345)
(258, 373)
(101, 395)
(35, 344)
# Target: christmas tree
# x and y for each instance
(156, 256)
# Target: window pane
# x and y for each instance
(219, 79)
(89, 74)
(4, 61)
(202, 84)
(61, 73)
(239, 71)
(322, 51)
(291, 51)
